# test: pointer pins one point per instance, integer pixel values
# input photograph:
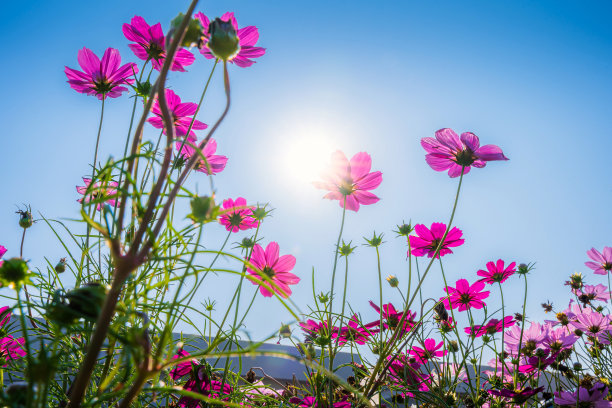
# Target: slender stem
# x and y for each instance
(331, 297)
(503, 327)
(25, 288)
(520, 344)
(380, 295)
(368, 387)
(93, 173)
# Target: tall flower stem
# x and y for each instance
(379, 364)
(520, 344)
(93, 173)
(25, 288)
(380, 295)
(331, 296)
(501, 292)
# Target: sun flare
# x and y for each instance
(306, 157)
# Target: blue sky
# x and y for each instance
(533, 78)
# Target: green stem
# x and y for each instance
(520, 344)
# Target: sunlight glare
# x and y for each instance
(306, 157)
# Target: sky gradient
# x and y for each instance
(533, 78)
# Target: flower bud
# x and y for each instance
(577, 366)
(453, 346)
(393, 282)
(285, 331)
(193, 35)
(323, 297)
(322, 341)
(375, 241)
(25, 219)
(523, 269)
(61, 266)
(223, 41)
(404, 229)
(14, 273)
(203, 209)
(346, 249)
(260, 213)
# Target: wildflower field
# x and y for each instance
(218, 214)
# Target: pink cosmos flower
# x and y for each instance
(181, 115)
(247, 36)
(353, 331)
(275, 268)
(391, 318)
(237, 215)
(405, 372)
(593, 324)
(464, 296)
(429, 351)
(538, 362)
(5, 314)
(11, 349)
(603, 260)
(183, 368)
(213, 164)
(350, 181)
(2, 252)
(589, 293)
(519, 395)
(450, 152)
(150, 45)
(206, 386)
(101, 77)
(428, 240)
(101, 193)
(532, 338)
(496, 272)
(493, 326)
(313, 328)
(559, 339)
(583, 397)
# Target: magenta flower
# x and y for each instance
(518, 396)
(350, 181)
(181, 115)
(100, 193)
(496, 272)
(11, 349)
(5, 312)
(405, 372)
(464, 296)
(589, 293)
(248, 37)
(237, 215)
(101, 77)
(183, 368)
(353, 331)
(211, 164)
(313, 328)
(428, 240)
(593, 324)
(559, 339)
(391, 318)
(493, 326)
(450, 152)
(150, 45)
(532, 338)
(430, 350)
(2, 252)
(583, 397)
(603, 261)
(204, 385)
(275, 268)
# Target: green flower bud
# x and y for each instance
(260, 213)
(25, 219)
(61, 266)
(14, 273)
(453, 346)
(203, 209)
(223, 41)
(404, 229)
(322, 341)
(346, 249)
(285, 331)
(194, 34)
(577, 366)
(393, 282)
(375, 241)
(323, 297)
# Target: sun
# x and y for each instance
(306, 156)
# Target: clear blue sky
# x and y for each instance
(532, 77)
